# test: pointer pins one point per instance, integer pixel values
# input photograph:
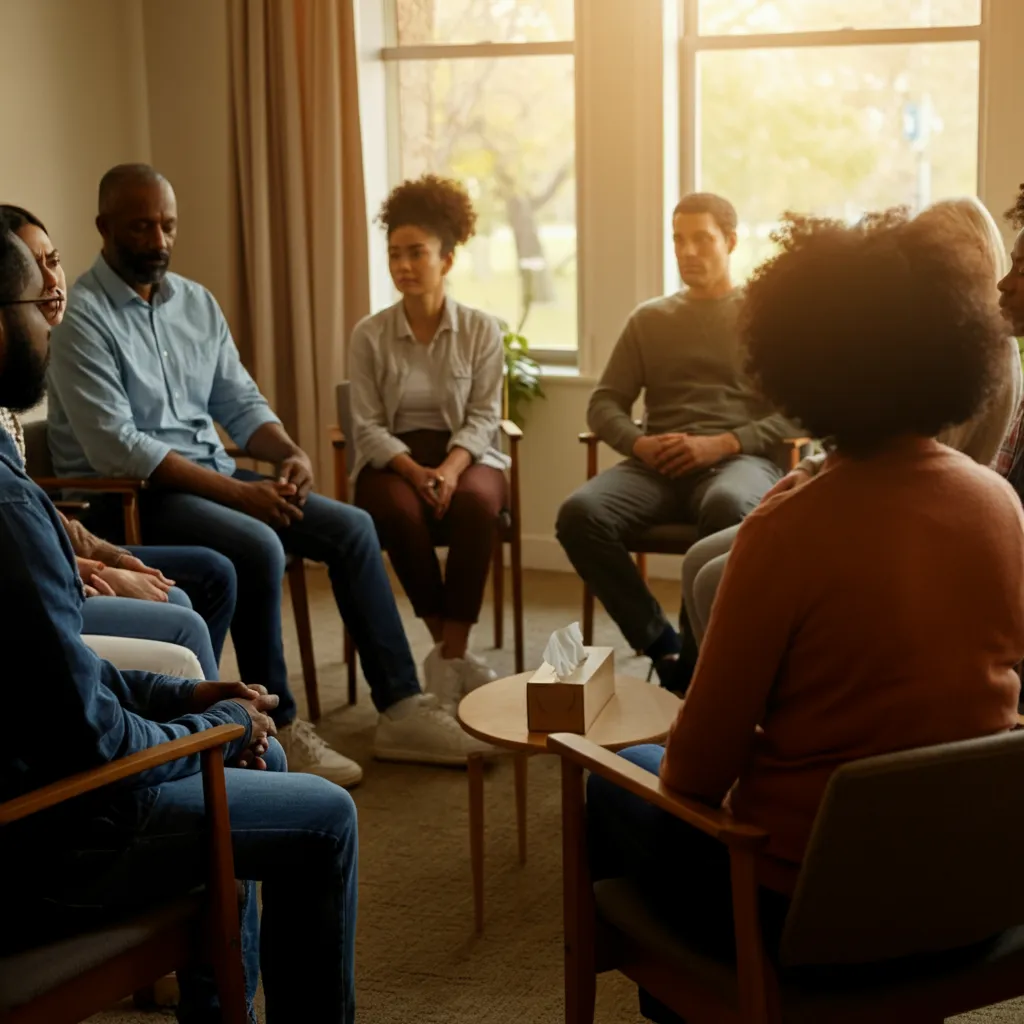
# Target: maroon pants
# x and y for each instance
(409, 532)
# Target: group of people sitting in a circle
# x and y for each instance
(872, 599)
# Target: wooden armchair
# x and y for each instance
(671, 539)
(39, 466)
(907, 909)
(73, 978)
(509, 532)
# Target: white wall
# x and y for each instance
(74, 104)
(73, 84)
(186, 53)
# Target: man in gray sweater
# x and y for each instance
(704, 455)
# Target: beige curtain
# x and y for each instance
(303, 215)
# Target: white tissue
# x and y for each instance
(565, 651)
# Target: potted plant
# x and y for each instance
(522, 376)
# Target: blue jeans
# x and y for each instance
(296, 833)
(684, 872)
(342, 537)
(174, 623)
(209, 580)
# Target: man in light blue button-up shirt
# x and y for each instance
(142, 368)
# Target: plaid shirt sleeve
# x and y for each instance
(1007, 454)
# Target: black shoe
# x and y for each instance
(679, 674)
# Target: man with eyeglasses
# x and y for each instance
(143, 368)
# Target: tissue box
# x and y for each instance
(571, 704)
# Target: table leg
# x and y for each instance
(476, 836)
(521, 766)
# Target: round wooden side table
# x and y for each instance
(639, 712)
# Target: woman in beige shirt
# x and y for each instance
(894, 578)
(426, 384)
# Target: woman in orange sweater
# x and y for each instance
(879, 607)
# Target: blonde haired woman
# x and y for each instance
(964, 218)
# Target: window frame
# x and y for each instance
(392, 55)
(692, 44)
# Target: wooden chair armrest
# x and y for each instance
(797, 442)
(107, 484)
(720, 825)
(115, 771)
(586, 437)
(72, 508)
(511, 430)
(336, 436)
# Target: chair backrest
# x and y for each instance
(914, 852)
(38, 461)
(343, 397)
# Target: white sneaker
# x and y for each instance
(307, 752)
(442, 679)
(425, 734)
(450, 679)
(475, 672)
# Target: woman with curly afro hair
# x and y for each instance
(968, 224)
(427, 378)
(877, 608)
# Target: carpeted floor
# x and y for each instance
(418, 960)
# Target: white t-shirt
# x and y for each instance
(419, 408)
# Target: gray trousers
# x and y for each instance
(702, 572)
(596, 522)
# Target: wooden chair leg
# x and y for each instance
(641, 568)
(588, 615)
(352, 667)
(578, 902)
(224, 933)
(132, 527)
(521, 765)
(498, 588)
(517, 600)
(300, 605)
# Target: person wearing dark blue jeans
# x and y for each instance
(171, 622)
(196, 614)
(205, 577)
(683, 872)
(297, 834)
(143, 368)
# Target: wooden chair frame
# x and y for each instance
(510, 534)
(177, 945)
(128, 488)
(591, 441)
(593, 946)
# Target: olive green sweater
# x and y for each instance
(685, 356)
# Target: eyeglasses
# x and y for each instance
(48, 305)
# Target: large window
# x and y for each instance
(483, 91)
(831, 107)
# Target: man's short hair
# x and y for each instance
(125, 174)
(14, 267)
(721, 210)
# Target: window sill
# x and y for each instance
(560, 372)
